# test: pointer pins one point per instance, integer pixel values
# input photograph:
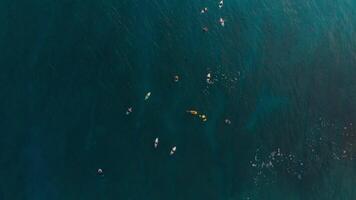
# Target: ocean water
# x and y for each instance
(282, 71)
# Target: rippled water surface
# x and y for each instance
(280, 102)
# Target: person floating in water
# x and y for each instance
(100, 172)
(203, 118)
(173, 150)
(156, 143)
(205, 29)
(227, 121)
(204, 10)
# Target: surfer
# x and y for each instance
(222, 21)
(193, 112)
(129, 110)
(173, 150)
(221, 3)
(208, 79)
(147, 96)
(100, 172)
(156, 143)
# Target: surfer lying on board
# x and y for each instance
(193, 112)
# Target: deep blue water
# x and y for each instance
(283, 73)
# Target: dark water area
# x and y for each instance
(283, 72)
